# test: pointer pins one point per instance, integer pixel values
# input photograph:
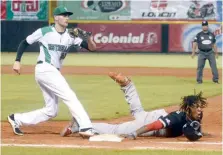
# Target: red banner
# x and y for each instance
(125, 37)
(181, 36)
(3, 9)
(175, 38)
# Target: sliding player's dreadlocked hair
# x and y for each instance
(192, 100)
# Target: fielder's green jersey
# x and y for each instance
(53, 45)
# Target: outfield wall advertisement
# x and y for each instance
(182, 36)
(27, 10)
(174, 10)
(98, 9)
(3, 9)
(219, 10)
(125, 37)
(183, 10)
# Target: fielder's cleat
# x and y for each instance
(15, 126)
(119, 78)
(88, 132)
(66, 131)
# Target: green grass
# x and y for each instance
(101, 97)
(70, 151)
(98, 59)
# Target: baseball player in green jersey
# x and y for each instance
(54, 43)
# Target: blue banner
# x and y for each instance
(219, 11)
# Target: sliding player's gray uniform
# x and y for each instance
(141, 117)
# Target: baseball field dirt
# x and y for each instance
(48, 133)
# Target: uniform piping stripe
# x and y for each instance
(47, 55)
(164, 124)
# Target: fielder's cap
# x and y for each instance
(61, 10)
(205, 23)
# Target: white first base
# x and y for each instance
(106, 138)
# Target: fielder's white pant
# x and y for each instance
(53, 85)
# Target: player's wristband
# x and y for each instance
(154, 126)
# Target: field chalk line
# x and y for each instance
(108, 147)
(203, 143)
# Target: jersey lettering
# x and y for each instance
(55, 47)
(178, 112)
(167, 121)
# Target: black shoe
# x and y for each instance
(15, 127)
(199, 82)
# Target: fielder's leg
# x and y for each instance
(54, 81)
(40, 115)
(212, 62)
(200, 67)
(34, 117)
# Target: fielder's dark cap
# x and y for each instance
(61, 10)
(205, 23)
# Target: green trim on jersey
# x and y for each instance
(47, 29)
(47, 54)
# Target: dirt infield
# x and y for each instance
(89, 70)
(48, 133)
